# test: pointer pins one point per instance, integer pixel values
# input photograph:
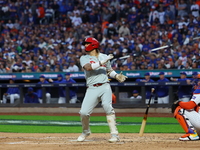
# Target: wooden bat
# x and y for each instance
(145, 118)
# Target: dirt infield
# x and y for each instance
(27, 141)
(96, 141)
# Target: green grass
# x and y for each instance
(154, 125)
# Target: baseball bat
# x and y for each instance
(145, 118)
(123, 57)
(169, 45)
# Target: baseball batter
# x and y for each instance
(97, 68)
(188, 115)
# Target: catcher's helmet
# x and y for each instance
(93, 44)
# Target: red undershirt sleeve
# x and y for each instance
(187, 105)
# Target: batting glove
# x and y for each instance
(120, 77)
(103, 62)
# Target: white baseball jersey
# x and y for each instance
(98, 75)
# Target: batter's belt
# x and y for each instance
(99, 84)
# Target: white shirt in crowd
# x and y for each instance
(161, 17)
(73, 68)
(183, 59)
(195, 10)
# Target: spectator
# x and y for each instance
(195, 9)
(40, 13)
(153, 15)
(49, 14)
(135, 95)
(12, 93)
(182, 8)
(31, 96)
(20, 36)
(124, 30)
(72, 67)
(183, 58)
(2, 69)
(111, 31)
(72, 90)
(76, 20)
(39, 91)
(162, 91)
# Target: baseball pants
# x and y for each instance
(163, 100)
(184, 99)
(48, 97)
(194, 119)
(92, 97)
(12, 98)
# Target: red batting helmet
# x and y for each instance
(93, 44)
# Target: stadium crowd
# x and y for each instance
(46, 35)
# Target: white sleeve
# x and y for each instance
(196, 98)
(83, 61)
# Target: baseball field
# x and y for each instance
(60, 131)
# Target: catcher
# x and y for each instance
(188, 115)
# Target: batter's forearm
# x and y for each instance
(93, 66)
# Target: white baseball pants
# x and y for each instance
(48, 98)
(12, 98)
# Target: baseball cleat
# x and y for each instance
(114, 138)
(82, 137)
(189, 137)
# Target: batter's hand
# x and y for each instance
(103, 62)
(120, 77)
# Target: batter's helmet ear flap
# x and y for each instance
(93, 44)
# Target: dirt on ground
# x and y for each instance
(96, 141)
(129, 141)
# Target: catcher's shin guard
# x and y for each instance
(183, 120)
(112, 124)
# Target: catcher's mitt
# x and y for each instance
(174, 106)
(120, 77)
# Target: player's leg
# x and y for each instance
(48, 97)
(166, 99)
(184, 118)
(89, 103)
(152, 100)
(16, 96)
(159, 100)
(184, 99)
(5, 98)
(40, 100)
(73, 100)
(106, 98)
(61, 100)
(194, 118)
(12, 98)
